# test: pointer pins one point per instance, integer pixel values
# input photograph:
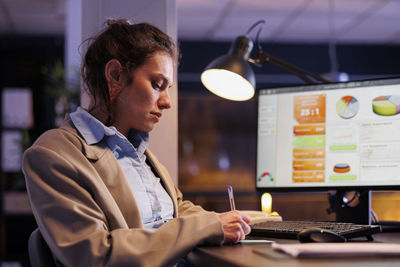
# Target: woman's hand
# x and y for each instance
(235, 225)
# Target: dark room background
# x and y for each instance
(217, 137)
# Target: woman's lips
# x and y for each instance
(156, 116)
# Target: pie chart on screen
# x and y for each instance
(347, 107)
(386, 105)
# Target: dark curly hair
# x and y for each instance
(131, 45)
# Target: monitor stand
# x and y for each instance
(351, 206)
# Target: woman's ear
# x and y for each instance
(113, 71)
(113, 74)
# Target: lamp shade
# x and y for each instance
(231, 76)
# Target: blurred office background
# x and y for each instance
(339, 39)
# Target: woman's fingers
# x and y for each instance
(246, 220)
(235, 226)
(245, 217)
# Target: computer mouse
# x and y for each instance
(319, 235)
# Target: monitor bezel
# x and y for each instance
(315, 87)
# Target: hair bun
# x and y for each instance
(110, 22)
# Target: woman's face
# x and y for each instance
(140, 104)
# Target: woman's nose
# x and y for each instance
(164, 102)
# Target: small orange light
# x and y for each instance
(266, 203)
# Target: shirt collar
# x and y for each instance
(139, 140)
(93, 130)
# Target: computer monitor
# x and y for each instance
(337, 136)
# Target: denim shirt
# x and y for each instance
(155, 205)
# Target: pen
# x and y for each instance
(231, 199)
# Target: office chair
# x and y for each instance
(39, 252)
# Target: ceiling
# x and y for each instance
(355, 21)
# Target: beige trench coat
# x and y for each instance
(88, 215)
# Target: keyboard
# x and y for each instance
(290, 229)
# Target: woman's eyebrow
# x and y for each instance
(165, 79)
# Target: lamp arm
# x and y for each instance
(264, 57)
(292, 71)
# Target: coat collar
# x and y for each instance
(110, 172)
(128, 205)
(92, 152)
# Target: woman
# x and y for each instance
(99, 196)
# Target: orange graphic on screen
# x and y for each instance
(309, 108)
(312, 129)
(309, 153)
(308, 165)
(308, 177)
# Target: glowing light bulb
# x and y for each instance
(227, 84)
(266, 203)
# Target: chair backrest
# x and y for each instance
(39, 252)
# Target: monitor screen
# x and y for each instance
(337, 135)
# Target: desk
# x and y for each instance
(263, 255)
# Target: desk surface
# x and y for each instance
(263, 255)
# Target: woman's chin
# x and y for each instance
(148, 128)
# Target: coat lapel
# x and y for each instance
(112, 175)
(114, 179)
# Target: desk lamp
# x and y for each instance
(230, 76)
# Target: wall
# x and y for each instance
(85, 18)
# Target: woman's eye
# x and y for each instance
(157, 85)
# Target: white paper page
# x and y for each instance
(338, 249)
(11, 151)
(17, 108)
